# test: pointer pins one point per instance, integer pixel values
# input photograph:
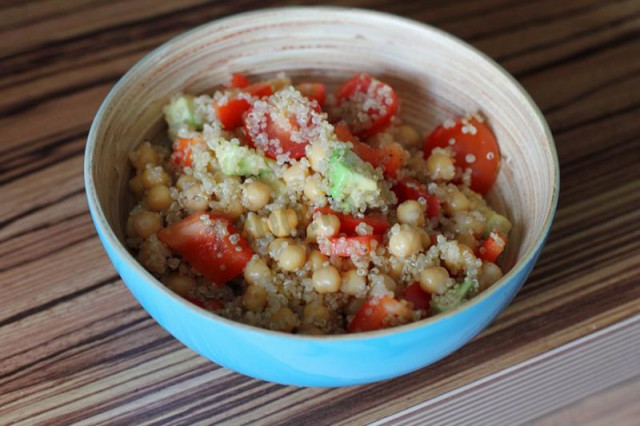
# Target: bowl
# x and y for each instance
(436, 76)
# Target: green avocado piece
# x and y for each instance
(182, 110)
(452, 298)
(352, 181)
(239, 160)
(496, 222)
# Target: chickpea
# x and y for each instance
(233, 208)
(256, 272)
(433, 279)
(282, 222)
(317, 314)
(389, 283)
(352, 283)
(317, 155)
(136, 186)
(317, 260)
(395, 267)
(256, 195)
(490, 273)
(155, 176)
(411, 212)
(185, 181)
(144, 155)
(158, 198)
(295, 176)
(276, 246)
(440, 166)
(405, 242)
(456, 202)
(292, 257)
(254, 298)
(456, 257)
(425, 238)
(468, 223)
(193, 199)
(180, 284)
(314, 192)
(326, 280)
(468, 240)
(146, 223)
(256, 226)
(323, 226)
(284, 320)
(408, 136)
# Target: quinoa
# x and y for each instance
(255, 223)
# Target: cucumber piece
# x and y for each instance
(496, 223)
(181, 111)
(239, 160)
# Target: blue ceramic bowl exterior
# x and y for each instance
(308, 361)
(311, 360)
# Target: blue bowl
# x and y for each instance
(335, 43)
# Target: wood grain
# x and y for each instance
(77, 347)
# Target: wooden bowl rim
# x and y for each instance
(109, 235)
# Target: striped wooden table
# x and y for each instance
(76, 347)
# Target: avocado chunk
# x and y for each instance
(496, 223)
(239, 160)
(452, 298)
(181, 111)
(353, 183)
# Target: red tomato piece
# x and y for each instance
(313, 91)
(492, 247)
(349, 223)
(210, 304)
(376, 99)
(231, 113)
(259, 90)
(391, 158)
(239, 81)
(412, 189)
(182, 150)
(417, 296)
(342, 246)
(475, 146)
(379, 313)
(195, 301)
(207, 245)
(274, 126)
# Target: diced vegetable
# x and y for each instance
(281, 126)
(351, 180)
(492, 247)
(346, 246)
(475, 147)
(497, 223)
(181, 111)
(239, 160)
(259, 90)
(314, 91)
(183, 149)
(364, 94)
(390, 158)
(210, 244)
(379, 313)
(348, 223)
(452, 298)
(239, 81)
(232, 112)
(419, 298)
(412, 189)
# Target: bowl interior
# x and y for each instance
(435, 75)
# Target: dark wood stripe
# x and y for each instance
(39, 207)
(55, 302)
(534, 22)
(42, 227)
(583, 53)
